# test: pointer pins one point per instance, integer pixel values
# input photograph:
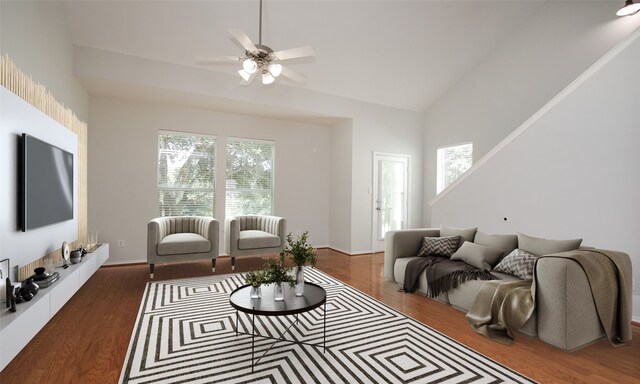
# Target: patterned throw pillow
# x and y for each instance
(518, 263)
(439, 246)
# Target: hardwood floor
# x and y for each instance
(86, 342)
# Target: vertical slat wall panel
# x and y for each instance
(12, 78)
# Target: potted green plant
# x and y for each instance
(255, 279)
(301, 253)
(278, 273)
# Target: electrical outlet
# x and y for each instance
(120, 243)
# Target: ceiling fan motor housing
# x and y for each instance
(263, 56)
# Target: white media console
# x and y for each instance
(17, 329)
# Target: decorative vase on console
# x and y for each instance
(301, 253)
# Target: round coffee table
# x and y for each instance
(314, 297)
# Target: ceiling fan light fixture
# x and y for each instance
(630, 8)
(250, 66)
(244, 74)
(267, 78)
(275, 69)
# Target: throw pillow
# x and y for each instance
(466, 234)
(539, 246)
(506, 242)
(439, 246)
(518, 263)
(480, 256)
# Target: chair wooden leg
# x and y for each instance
(213, 265)
(233, 263)
(151, 267)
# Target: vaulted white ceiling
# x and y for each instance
(403, 54)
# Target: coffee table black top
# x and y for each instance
(314, 296)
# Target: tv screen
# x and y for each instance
(47, 184)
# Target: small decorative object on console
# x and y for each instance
(10, 296)
(9, 293)
(4, 274)
(76, 256)
(44, 279)
(65, 254)
(30, 286)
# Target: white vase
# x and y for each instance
(300, 280)
(278, 291)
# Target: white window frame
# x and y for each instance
(272, 143)
(441, 165)
(213, 176)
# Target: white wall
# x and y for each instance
(35, 36)
(573, 173)
(540, 59)
(373, 127)
(123, 143)
(383, 130)
(340, 191)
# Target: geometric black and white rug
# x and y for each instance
(184, 333)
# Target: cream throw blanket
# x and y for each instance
(501, 308)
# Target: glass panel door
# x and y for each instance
(390, 196)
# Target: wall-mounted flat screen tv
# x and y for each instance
(47, 184)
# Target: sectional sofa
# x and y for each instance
(565, 314)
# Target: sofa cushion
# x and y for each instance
(505, 242)
(539, 246)
(519, 263)
(480, 256)
(257, 239)
(466, 234)
(441, 246)
(182, 243)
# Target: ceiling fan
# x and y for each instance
(260, 59)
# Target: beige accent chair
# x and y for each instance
(182, 238)
(254, 235)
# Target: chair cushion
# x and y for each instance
(181, 243)
(257, 239)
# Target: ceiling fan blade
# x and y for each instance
(295, 53)
(293, 75)
(218, 60)
(243, 39)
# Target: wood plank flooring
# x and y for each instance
(87, 340)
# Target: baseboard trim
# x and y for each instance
(121, 263)
(360, 253)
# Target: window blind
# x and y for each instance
(249, 181)
(186, 174)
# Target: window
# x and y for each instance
(249, 177)
(186, 174)
(453, 161)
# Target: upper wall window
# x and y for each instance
(186, 174)
(250, 166)
(452, 162)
